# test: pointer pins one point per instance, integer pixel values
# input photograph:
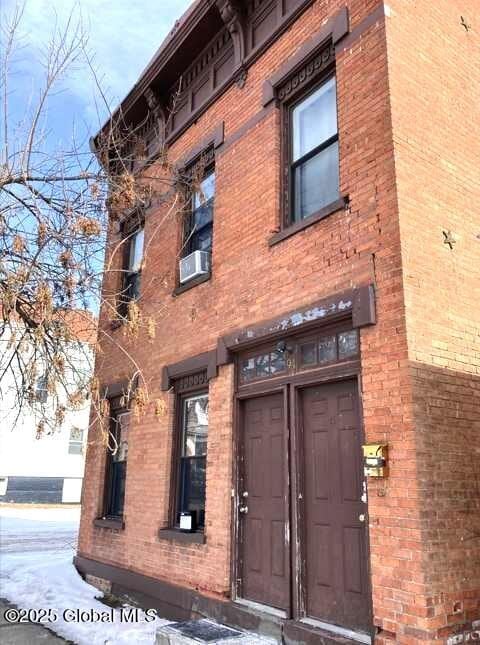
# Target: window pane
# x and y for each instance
(262, 365)
(201, 225)
(192, 487)
(121, 437)
(203, 215)
(75, 444)
(202, 240)
(76, 434)
(195, 429)
(347, 344)
(314, 120)
(41, 389)
(316, 182)
(327, 349)
(308, 354)
(132, 287)
(136, 251)
(277, 362)
(247, 369)
(205, 192)
(119, 470)
(75, 448)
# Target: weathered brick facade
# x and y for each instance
(408, 95)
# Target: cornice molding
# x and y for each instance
(249, 29)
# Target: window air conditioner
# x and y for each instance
(194, 265)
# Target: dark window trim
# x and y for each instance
(131, 224)
(180, 396)
(287, 105)
(107, 493)
(113, 392)
(308, 69)
(204, 153)
(119, 388)
(174, 535)
(109, 523)
(215, 139)
(324, 212)
(207, 361)
(333, 30)
(188, 222)
(191, 283)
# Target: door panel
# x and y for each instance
(335, 543)
(264, 554)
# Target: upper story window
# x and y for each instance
(313, 152)
(199, 233)
(195, 263)
(133, 264)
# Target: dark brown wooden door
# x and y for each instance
(263, 549)
(335, 543)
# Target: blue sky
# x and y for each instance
(123, 36)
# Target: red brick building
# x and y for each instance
(328, 298)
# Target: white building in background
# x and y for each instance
(48, 469)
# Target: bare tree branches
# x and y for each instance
(53, 232)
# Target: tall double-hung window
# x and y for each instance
(314, 168)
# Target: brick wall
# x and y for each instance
(434, 70)
(252, 281)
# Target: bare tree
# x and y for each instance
(53, 230)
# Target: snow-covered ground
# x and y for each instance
(37, 546)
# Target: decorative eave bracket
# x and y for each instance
(232, 15)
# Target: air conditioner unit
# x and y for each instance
(194, 265)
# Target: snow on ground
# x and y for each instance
(36, 572)
(24, 528)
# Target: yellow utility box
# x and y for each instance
(375, 458)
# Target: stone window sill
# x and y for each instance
(115, 524)
(192, 283)
(288, 231)
(175, 535)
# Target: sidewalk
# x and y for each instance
(24, 633)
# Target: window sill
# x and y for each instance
(115, 524)
(192, 283)
(175, 535)
(288, 231)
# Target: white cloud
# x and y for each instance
(123, 36)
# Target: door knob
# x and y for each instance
(361, 517)
(245, 494)
(243, 509)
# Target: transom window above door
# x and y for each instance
(313, 155)
(298, 354)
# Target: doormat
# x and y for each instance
(205, 631)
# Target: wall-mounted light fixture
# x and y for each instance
(283, 347)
